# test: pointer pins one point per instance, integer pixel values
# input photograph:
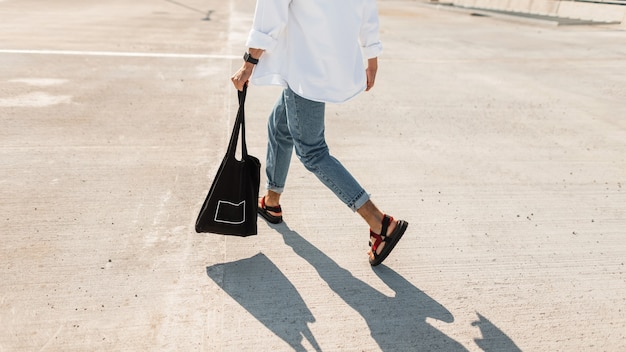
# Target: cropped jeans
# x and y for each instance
(298, 123)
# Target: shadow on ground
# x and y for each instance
(266, 293)
(493, 338)
(396, 323)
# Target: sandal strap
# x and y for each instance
(383, 233)
(276, 209)
(377, 241)
(386, 221)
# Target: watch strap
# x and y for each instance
(248, 58)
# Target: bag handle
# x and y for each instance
(239, 121)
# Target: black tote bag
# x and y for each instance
(231, 205)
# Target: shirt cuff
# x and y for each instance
(372, 51)
(260, 40)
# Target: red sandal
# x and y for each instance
(264, 210)
(390, 240)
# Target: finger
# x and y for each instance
(240, 85)
(237, 82)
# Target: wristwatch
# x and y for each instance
(248, 58)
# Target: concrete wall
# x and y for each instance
(570, 9)
(592, 11)
(544, 7)
(532, 6)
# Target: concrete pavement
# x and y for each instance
(502, 144)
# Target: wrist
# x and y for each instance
(249, 58)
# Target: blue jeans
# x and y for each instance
(298, 123)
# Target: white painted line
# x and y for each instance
(120, 54)
(34, 99)
(40, 82)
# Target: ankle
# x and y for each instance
(372, 216)
(272, 198)
(377, 228)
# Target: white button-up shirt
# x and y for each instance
(316, 47)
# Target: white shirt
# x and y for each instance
(316, 47)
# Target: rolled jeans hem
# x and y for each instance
(274, 189)
(360, 201)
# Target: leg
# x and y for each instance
(305, 120)
(306, 125)
(279, 147)
(279, 150)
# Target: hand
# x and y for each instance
(241, 77)
(370, 72)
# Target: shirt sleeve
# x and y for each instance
(369, 36)
(270, 18)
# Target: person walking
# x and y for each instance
(316, 50)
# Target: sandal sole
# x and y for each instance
(269, 217)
